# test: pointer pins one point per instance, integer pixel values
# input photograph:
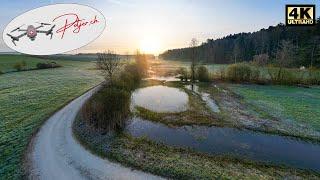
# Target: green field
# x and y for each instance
(294, 104)
(28, 98)
(7, 62)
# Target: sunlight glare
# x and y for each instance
(150, 45)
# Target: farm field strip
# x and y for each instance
(28, 98)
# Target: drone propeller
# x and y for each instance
(17, 28)
(14, 42)
(13, 39)
(50, 31)
(43, 23)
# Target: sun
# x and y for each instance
(150, 45)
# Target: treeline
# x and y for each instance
(303, 41)
(125, 56)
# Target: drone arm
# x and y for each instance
(40, 31)
(21, 35)
(39, 27)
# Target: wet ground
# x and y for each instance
(256, 146)
(211, 103)
(263, 147)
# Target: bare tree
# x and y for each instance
(127, 56)
(142, 63)
(193, 45)
(285, 54)
(236, 52)
(285, 57)
(261, 59)
(315, 43)
(108, 62)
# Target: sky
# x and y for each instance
(154, 26)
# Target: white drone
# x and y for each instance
(31, 32)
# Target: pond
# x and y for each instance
(228, 141)
(160, 99)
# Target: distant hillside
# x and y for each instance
(243, 46)
(86, 57)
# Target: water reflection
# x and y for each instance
(160, 99)
(163, 78)
(240, 143)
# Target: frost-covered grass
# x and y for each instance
(28, 98)
(300, 105)
(170, 66)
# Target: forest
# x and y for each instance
(301, 42)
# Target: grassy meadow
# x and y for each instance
(295, 104)
(161, 67)
(8, 61)
(28, 98)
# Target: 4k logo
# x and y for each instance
(300, 15)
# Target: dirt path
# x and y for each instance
(55, 154)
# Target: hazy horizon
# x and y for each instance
(154, 27)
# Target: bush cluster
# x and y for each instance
(313, 76)
(20, 65)
(242, 72)
(129, 78)
(294, 76)
(109, 108)
(142, 63)
(202, 74)
(183, 74)
(48, 65)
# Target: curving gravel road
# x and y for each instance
(55, 154)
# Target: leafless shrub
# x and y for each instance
(261, 59)
(109, 63)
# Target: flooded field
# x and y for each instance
(274, 149)
(262, 147)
